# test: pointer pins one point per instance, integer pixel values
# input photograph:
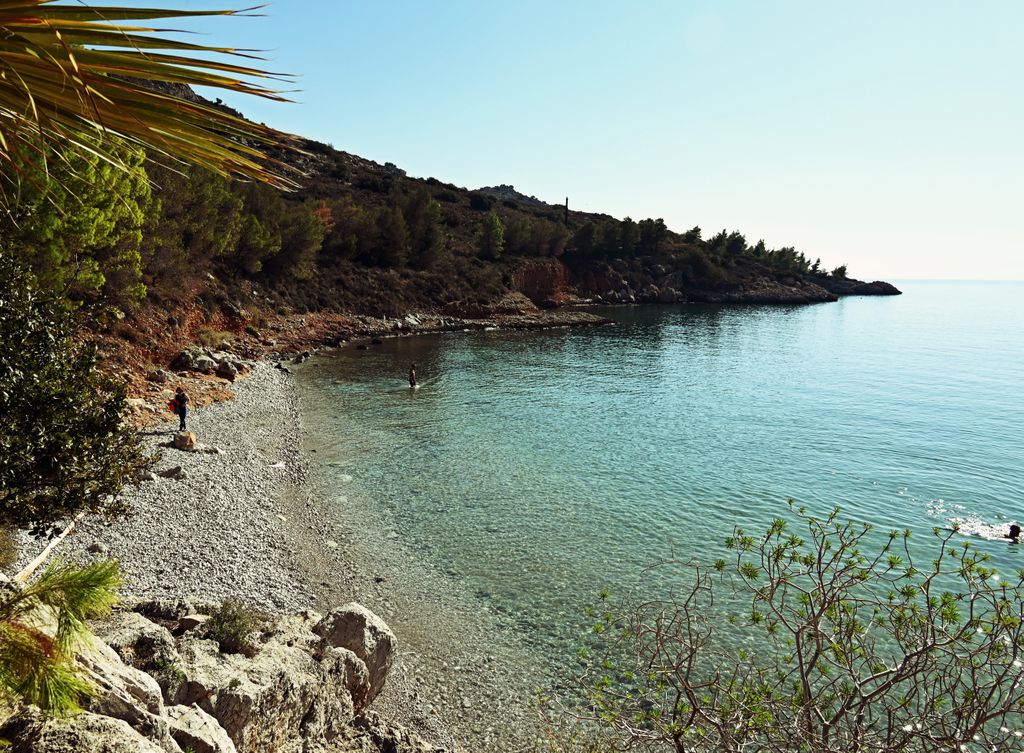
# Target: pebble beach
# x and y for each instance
(247, 517)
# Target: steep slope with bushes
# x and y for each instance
(196, 251)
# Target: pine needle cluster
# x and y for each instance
(42, 624)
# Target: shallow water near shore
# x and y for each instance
(532, 470)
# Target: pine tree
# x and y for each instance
(77, 223)
(42, 623)
(66, 449)
(490, 239)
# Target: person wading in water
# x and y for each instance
(412, 375)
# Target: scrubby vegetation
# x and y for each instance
(820, 636)
(357, 236)
(78, 104)
(233, 625)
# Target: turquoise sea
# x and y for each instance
(534, 469)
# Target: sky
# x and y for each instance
(883, 135)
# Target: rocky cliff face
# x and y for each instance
(549, 283)
(164, 686)
(543, 281)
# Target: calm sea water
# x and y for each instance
(536, 469)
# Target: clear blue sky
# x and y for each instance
(887, 135)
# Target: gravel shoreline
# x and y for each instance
(218, 531)
(252, 519)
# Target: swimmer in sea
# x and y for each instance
(412, 376)
(1014, 535)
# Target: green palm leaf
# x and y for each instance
(74, 75)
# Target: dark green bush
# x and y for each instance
(481, 201)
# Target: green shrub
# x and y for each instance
(481, 201)
(214, 339)
(71, 451)
(232, 625)
(168, 669)
(820, 635)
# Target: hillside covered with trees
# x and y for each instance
(362, 237)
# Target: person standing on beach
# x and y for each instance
(412, 375)
(181, 407)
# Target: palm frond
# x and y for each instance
(73, 74)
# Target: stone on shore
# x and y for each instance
(205, 364)
(184, 440)
(356, 628)
(191, 622)
(227, 370)
(177, 473)
(184, 361)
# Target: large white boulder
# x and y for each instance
(195, 730)
(138, 641)
(293, 689)
(301, 692)
(125, 693)
(356, 628)
(30, 732)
